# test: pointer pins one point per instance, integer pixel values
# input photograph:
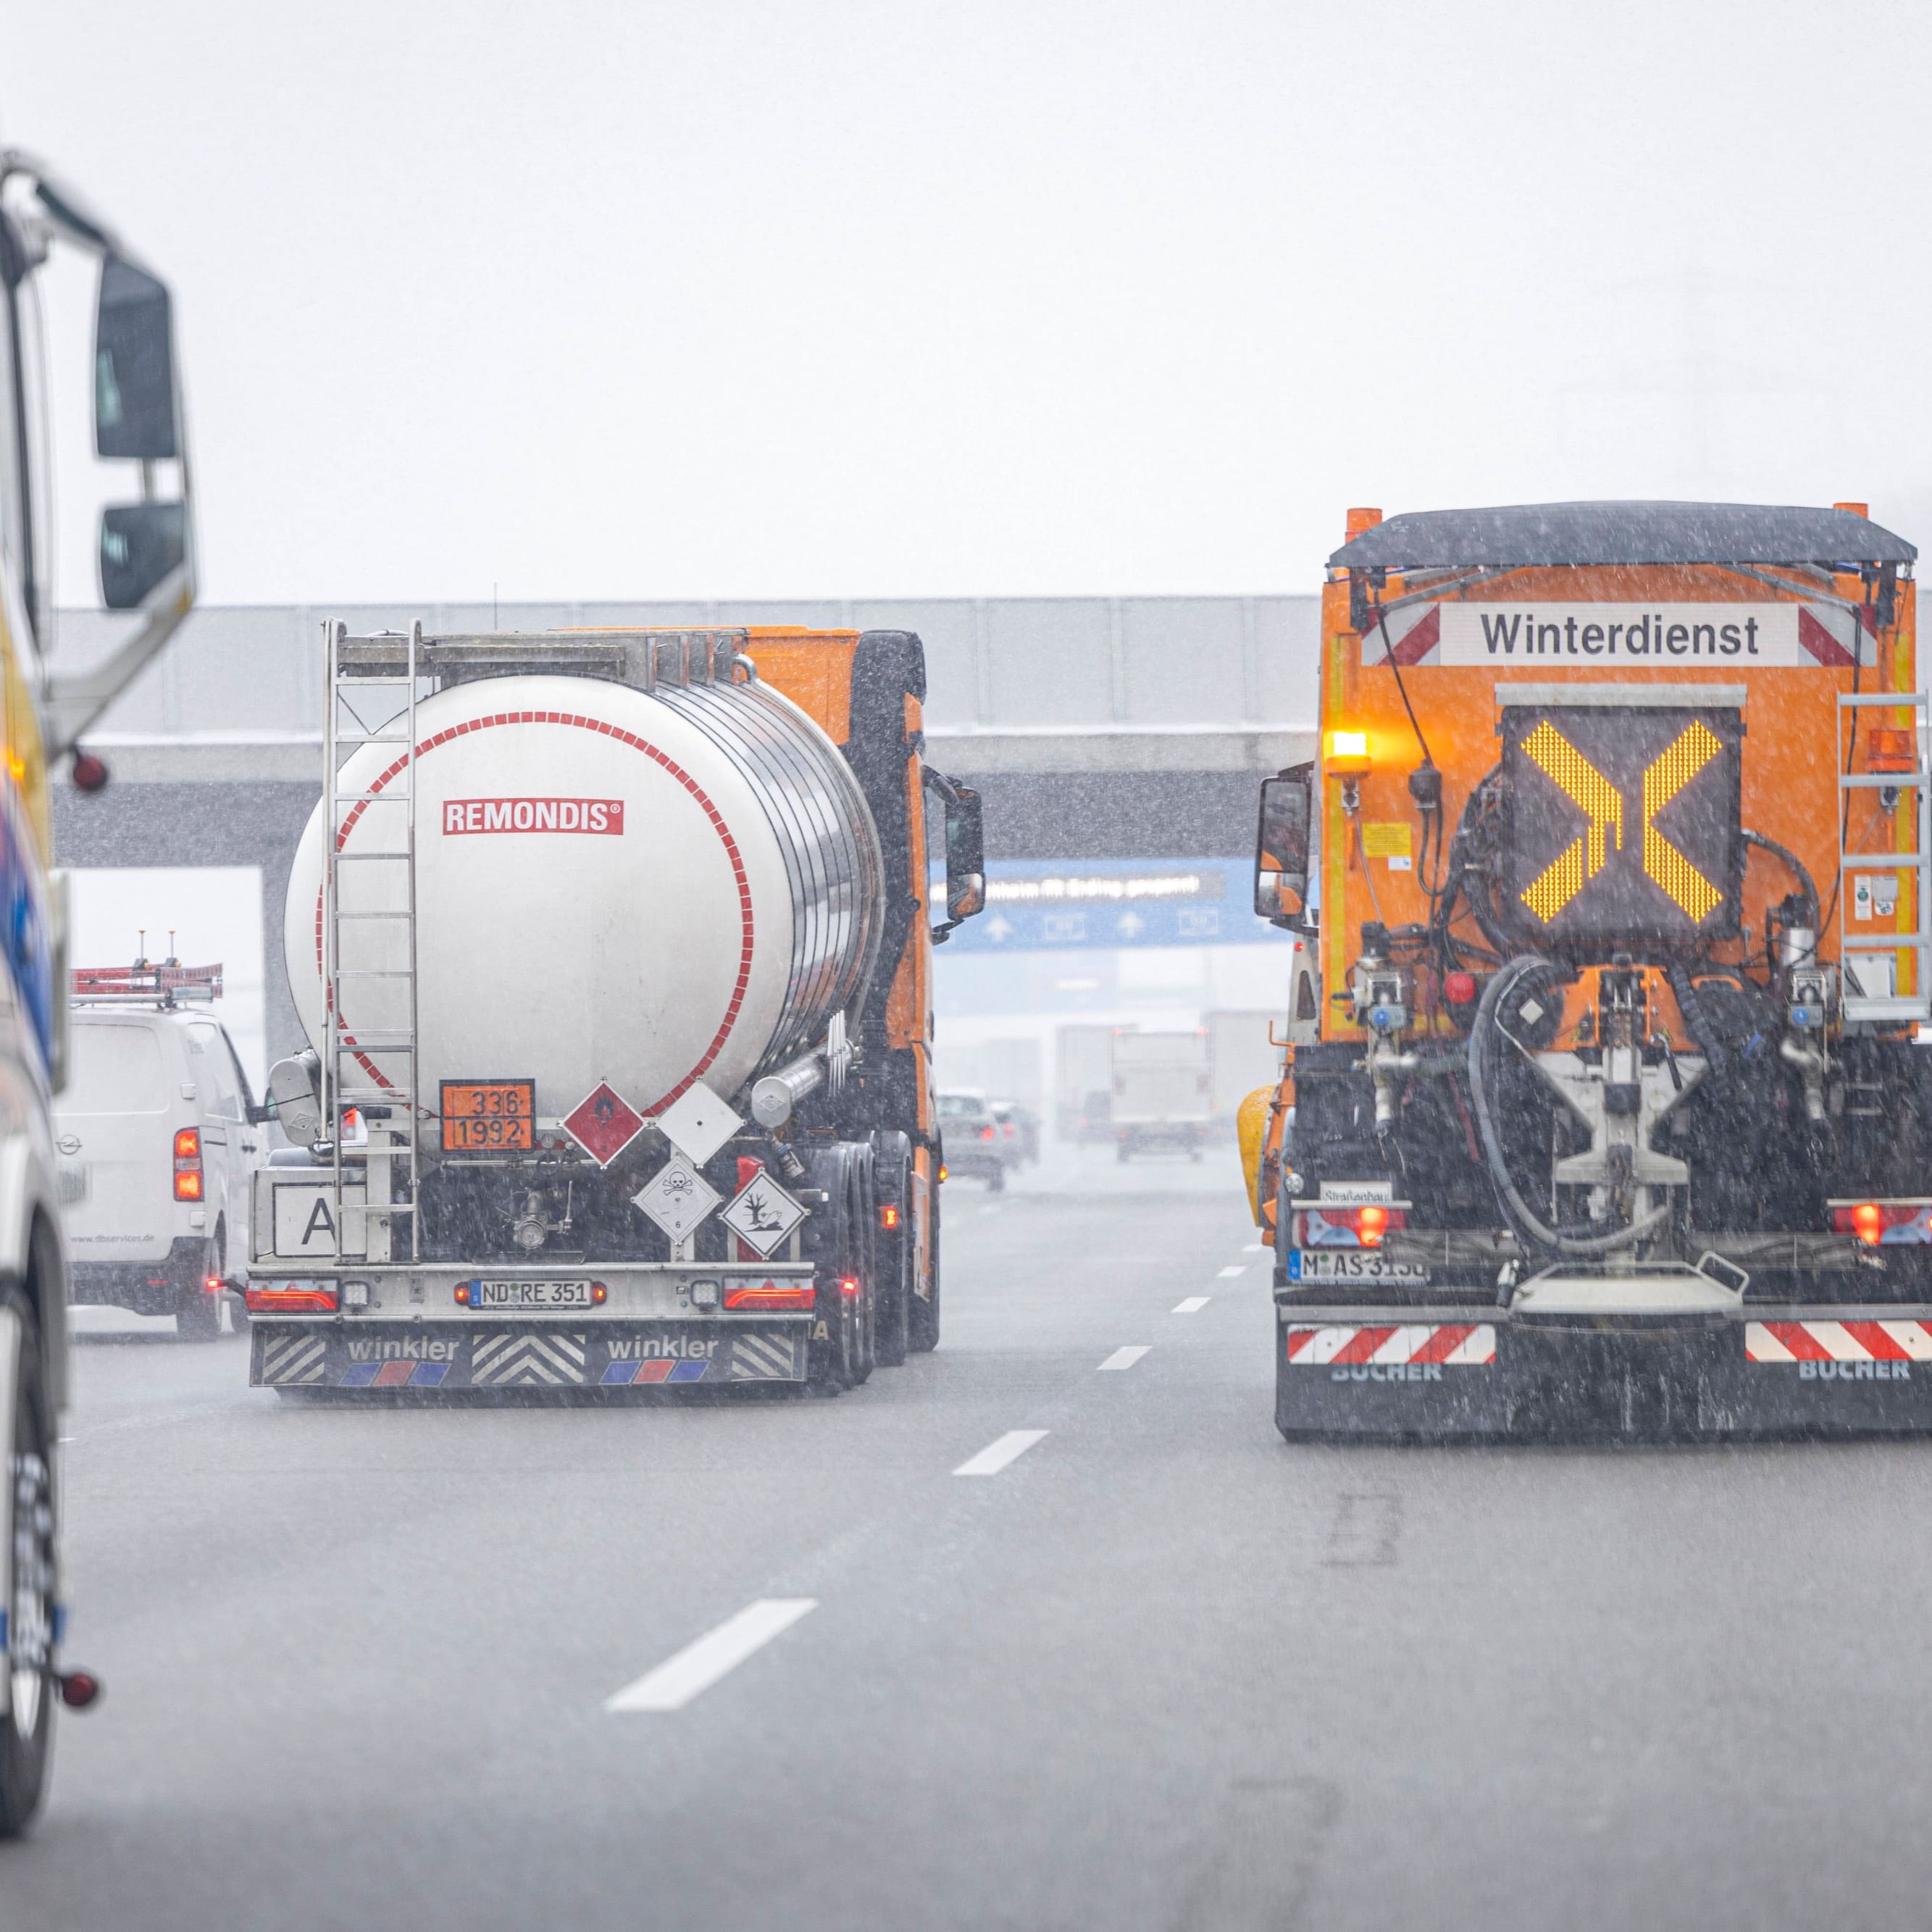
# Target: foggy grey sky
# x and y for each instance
(588, 299)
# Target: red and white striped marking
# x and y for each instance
(1838, 1341)
(1454, 1344)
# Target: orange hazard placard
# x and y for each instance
(481, 1115)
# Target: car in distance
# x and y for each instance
(971, 1134)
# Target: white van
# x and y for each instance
(156, 1134)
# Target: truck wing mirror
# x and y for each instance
(134, 366)
(965, 854)
(1281, 846)
(141, 545)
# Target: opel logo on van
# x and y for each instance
(68, 1143)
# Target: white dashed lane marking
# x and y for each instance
(1229, 1274)
(995, 1457)
(1192, 1305)
(700, 1664)
(1124, 1358)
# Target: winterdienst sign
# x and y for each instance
(1641, 637)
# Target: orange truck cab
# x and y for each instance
(1605, 1111)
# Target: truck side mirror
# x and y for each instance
(141, 545)
(1281, 846)
(965, 854)
(134, 366)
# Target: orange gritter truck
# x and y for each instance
(1604, 1111)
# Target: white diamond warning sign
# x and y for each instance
(762, 1214)
(677, 1197)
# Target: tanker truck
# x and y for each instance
(1607, 1113)
(613, 955)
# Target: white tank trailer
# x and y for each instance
(595, 937)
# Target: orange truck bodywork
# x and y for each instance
(1573, 1135)
(1791, 795)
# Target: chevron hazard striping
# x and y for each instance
(1889, 1341)
(291, 1360)
(514, 1360)
(762, 1358)
(1452, 1344)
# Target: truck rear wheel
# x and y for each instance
(840, 1358)
(27, 1724)
(922, 1310)
(892, 1291)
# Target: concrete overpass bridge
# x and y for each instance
(1095, 728)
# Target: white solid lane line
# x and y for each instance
(1192, 1305)
(1123, 1358)
(1255, 1248)
(698, 1666)
(1229, 1274)
(995, 1457)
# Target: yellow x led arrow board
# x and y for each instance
(1626, 821)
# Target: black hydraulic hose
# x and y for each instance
(1528, 1226)
(1696, 1020)
(1794, 864)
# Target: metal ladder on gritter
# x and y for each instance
(1896, 1008)
(370, 701)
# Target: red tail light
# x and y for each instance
(848, 1284)
(1893, 1223)
(1363, 1227)
(188, 1164)
(888, 1215)
(291, 1297)
(771, 1295)
(985, 1133)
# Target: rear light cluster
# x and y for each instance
(187, 1165)
(986, 1133)
(889, 1217)
(1361, 1227)
(781, 1295)
(1890, 747)
(291, 1297)
(1885, 1223)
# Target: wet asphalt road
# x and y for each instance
(1156, 1670)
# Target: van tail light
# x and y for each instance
(1363, 1227)
(187, 1165)
(1885, 1223)
(781, 1295)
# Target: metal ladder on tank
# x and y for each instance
(1895, 1008)
(359, 672)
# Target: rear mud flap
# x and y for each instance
(1473, 1380)
(524, 1357)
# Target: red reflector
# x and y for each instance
(311, 1297)
(771, 1295)
(889, 1217)
(188, 1143)
(1460, 989)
